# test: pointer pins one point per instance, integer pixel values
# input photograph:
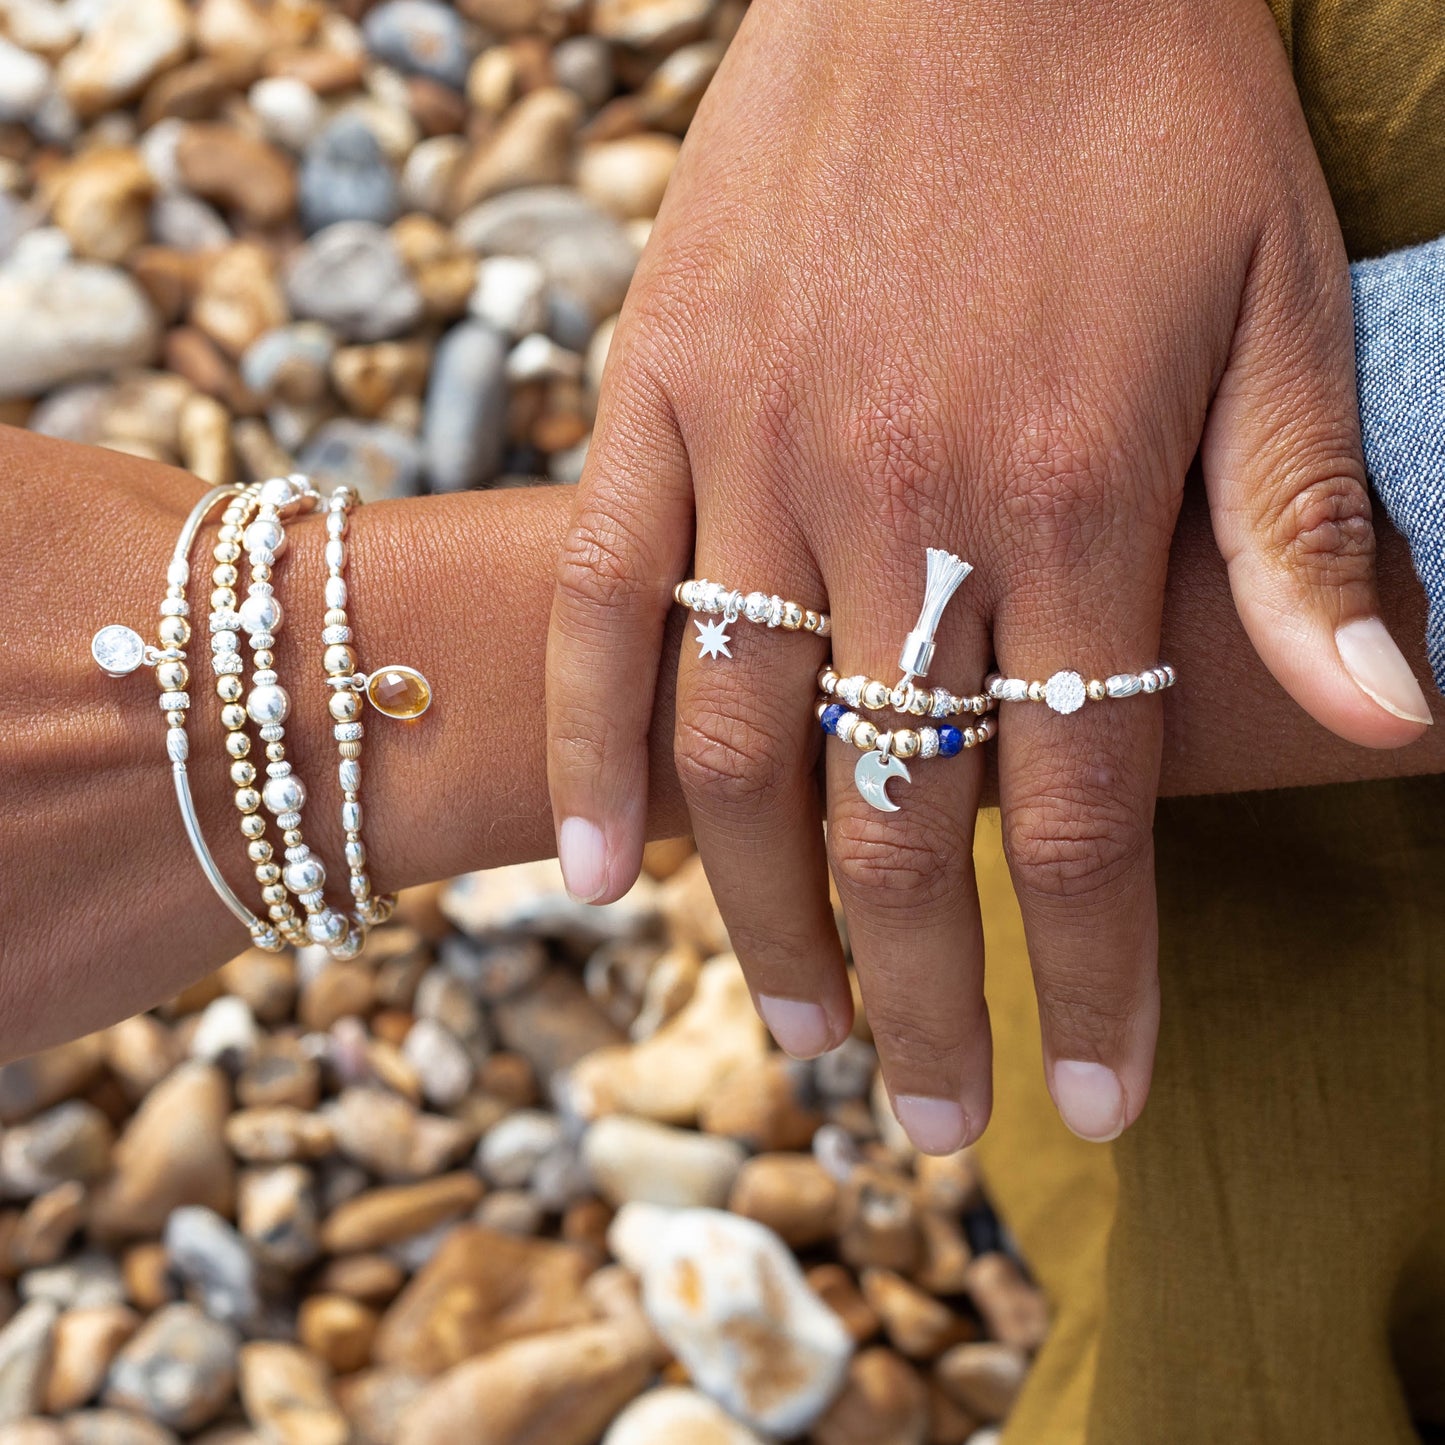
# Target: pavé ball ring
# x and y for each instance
(1067, 691)
(700, 595)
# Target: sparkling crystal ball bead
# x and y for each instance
(1065, 692)
(400, 692)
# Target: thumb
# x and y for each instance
(1285, 475)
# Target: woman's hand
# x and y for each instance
(985, 278)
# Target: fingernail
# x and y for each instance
(801, 1028)
(1374, 661)
(937, 1126)
(1090, 1100)
(582, 852)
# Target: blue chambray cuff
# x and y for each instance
(1400, 365)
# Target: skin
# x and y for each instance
(103, 910)
(988, 278)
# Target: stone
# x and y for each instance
(75, 413)
(115, 1427)
(375, 1401)
(532, 899)
(670, 1076)
(290, 112)
(84, 1343)
(127, 46)
(380, 461)
(369, 379)
(481, 1289)
(442, 1064)
(531, 146)
(878, 1221)
(1013, 1309)
(72, 1141)
(391, 1138)
(205, 440)
(267, 984)
(70, 322)
(582, 249)
(984, 1378)
(538, 358)
(25, 82)
(669, 97)
(638, 1160)
(512, 1149)
(215, 1264)
(510, 295)
(763, 1105)
(846, 1072)
(948, 1183)
(351, 276)
(291, 364)
(89, 1280)
(563, 1387)
(32, 1432)
(947, 1256)
(650, 24)
(172, 1153)
(278, 1134)
(241, 30)
(790, 1193)
(336, 1329)
(583, 63)
(146, 1273)
(671, 1415)
(420, 37)
(464, 422)
(728, 1298)
(390, 1214)
(345, 176)
(835, 1286)
(278, 1217)
(641, 985)
(178, 1369)
(50, 1220)
(25, 1349)
(428, 172)
(226, 1034)
(344, 990)
(239, 172)
(239, 298)
(185, 225)
(287, 1397)
(884, 1402)
(372, 1279)
(948, 1422)
(101, 201)
(917, 1324)
(628, 176)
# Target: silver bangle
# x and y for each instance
(1066, 692)
(119, 651)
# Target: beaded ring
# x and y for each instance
(905, 697)
(1066, 692)
(700, 595)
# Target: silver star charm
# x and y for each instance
(712, 639)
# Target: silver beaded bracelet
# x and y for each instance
(1066, 692)
(119, 651)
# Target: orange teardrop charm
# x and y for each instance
(398, 692)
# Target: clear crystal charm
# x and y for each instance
(118, 650)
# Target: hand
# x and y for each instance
(984, 278)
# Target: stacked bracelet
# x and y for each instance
(905, 697)
(1066, 692)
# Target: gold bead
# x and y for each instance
(233, 716)
(865, 736)
(275, 752)
(247, 800)
(228, 688)
(345, 706)
(176, 718)
(906, 743)
(243, 774)
(292, 837)
(259, 851)
(267, 873)
(253, 826)
(792, 616)
(274, 893)
(227, 552)
(1096, 690)
(263, 658)
(175, 631)
(349, 750)
(339, 660)
(238, 744)
(811, 621)
(225, 575)
(172, 676)
(261, 572)
(335, 617)
(223, 599)
(1036, 692)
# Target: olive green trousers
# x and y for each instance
(1261, 1259)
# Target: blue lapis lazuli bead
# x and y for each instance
(831, 714)
(950, 742)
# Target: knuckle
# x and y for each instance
(1075, 847)
(726, 761)
(892, 867)
(1323, 531)
(927, 1039)
(598, 567)
(581, 743)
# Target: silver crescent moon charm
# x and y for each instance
(872, 775)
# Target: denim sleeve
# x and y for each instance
(1400, 361)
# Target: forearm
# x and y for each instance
(102, 909)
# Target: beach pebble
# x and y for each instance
(125, 46)
(84, 1343)
(179, 1369)
(351, 277)
(464, 430)
(636, 1159)
(420, 37)
(287, 1397)
(25, 81)
(71, 1141)
(510, 295)
(215, 1264)
(346, 176)
(25, 1348)
(672, 1414)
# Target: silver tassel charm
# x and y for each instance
(945, 573)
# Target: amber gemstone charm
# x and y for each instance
(398, 692)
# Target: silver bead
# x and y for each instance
(225, 641)
(328, 926)
(289, 821)
(265, 536)
(175, 701)
(755, 606)
(337, 523)
(277, 492)
(355, 854)
(225, 620)
(260, 612)
(1122, 684)
(351, 817)
(284, 795)
(268, 705)
(349, 732)
(336, 592)
(304, 877)
(333, 635)
(263, 677)
(335, 553)
(350, 775)
(178, 573)
(178, 745)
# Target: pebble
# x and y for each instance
(290, 363)
(278, 1134)
(442, 1064)
(427, 173)
(539, 358)
(278, 1217)
(650, 24)
(670, 1076)
(72, 321)
(345, 176)
(287, 1398)
(289, 111)
(126, 44)
(239, 298)
(583, 63)
(71, 1141)
(531, 146)
(638, 1160)
(187, 223)
(510, 295)
(115, 1427)
(512, 1149)
(984, 1378)
(479, 1290)
(392, 1138)
(884, 1402)
(84, 1343)
(420, 37)
(337, 1330)
(672, 1415)
(1012, 1308)
(226, 1034)
(790, 1193)
(172, 1153)
(464, 433)
(563, 1387)
(390, 1214)
(84, 1281)
(763, 1104)
(351, 277)
(729, 1300)
(531, 899)
(213, 1261)
(178, 1369)
(917, 1324)
(101, 201)
(239, 172)
(25, 1345)
(629, 176)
